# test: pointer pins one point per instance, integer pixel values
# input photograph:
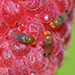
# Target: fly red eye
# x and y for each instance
(47, 33)
(51, 23)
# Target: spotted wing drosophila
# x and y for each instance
(22, 37)
(47, 43)
(57, 20)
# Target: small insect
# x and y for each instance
(58, 20)
(47, 43)
(23, 38)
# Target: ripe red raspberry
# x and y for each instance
(17, 58)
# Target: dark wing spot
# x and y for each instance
(44, 54)
(66, 11)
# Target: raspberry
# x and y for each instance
(1, 62)
(2, 71)
(38, 57)
(18, 68)
(18, 49)
(32, 17)
(51, 68)
(56, 48)
(65, 27)
(3, 29)
(12, 11)
(60, 56)
(32, 26)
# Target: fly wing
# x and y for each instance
(47, 51)
(16, 35)
(65, 15)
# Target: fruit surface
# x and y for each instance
(18, 58)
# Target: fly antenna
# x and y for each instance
(59, 38)
(30, 9)
(16, 25)
(3, 21)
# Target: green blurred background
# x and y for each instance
(68, 65)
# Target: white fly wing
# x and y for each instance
(14, 35)
(47, 51)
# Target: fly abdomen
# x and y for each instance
(22, 37)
